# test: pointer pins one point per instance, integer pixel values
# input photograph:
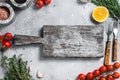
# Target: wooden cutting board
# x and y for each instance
(68, 41)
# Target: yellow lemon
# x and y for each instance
(100, 14)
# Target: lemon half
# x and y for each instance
(100, 14)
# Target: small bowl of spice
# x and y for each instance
(7, 13)
(22, 4)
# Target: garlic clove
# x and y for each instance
(30, 68)
(84, 1)
(40, 75)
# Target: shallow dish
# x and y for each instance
(11, 12)
(21, 4)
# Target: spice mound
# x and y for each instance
(4, 13)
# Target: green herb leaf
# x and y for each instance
(16, 68)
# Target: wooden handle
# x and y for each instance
(107, 54)
(115, 48)
(25, 39)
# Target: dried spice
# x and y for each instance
(4, 13)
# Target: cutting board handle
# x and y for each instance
(25, 39)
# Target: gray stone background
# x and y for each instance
(59, 12)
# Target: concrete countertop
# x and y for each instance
(59, 12)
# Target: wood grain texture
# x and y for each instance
(107, 54)
(73, 41)
(115, 49)
(25, 39)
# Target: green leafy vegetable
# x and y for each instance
(15, 68)
(112, 5)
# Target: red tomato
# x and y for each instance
(103, 69)
(47, 1)
(116, 75)
(110, 77)
(81, 77)
(39, 4)
(1, 38)
(8, 36)
(96, 73)
(6, 44)
(116, 65)
(90, 76)
(110, 67)
(102, 78)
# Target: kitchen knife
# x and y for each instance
(115, 41)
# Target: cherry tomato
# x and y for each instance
(90, 76)
(103, 69)
(96, 73)
(39, 4)
(116, 75)
(6, 44)
(47, 2)
(1, 38)
(81, 77)
(110, 67)
(110, 77)
(116, 65)
(102, 78)
(8, 36)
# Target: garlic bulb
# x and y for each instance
(84, 1)
(40, 75)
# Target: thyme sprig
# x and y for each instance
(15, 68)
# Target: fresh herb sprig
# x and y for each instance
(15, 68)
(112, 5)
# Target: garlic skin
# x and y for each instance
(40, 75)
(84, 1)
(30, 68)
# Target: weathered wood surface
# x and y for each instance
(67, 41)
(25, 39)
(73, 41)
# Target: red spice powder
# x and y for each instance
(4, 13)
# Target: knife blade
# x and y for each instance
(115, 40)
(107, 51)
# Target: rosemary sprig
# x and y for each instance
(112, 5)
(15, 68)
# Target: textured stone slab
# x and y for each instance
(73, 41)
